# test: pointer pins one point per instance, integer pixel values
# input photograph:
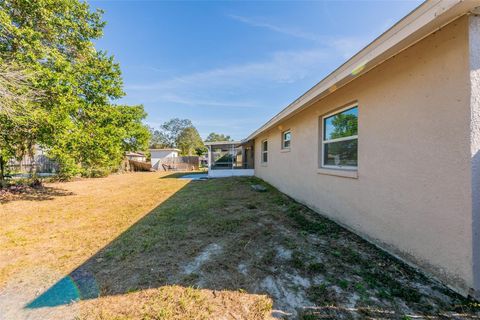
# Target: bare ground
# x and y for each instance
(145, 246)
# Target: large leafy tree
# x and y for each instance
(16, 95)
(178, 133)
(73, 117)
(167, 136)
(189, 142)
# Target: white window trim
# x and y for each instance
(264, 151)
(338, 172)
(283, 139)
(347, 168)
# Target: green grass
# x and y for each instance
(137, 233)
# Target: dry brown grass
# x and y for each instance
(47, 233)
(62, 231)
(151, 246)
(177, 302)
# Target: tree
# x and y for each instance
(345, 125)
(178, 133)
(169, 132)
(14, 138)
(213, 137)
(17, 120)
(73, 117)
(16, 91)
(99, 146)
(190, 142)
(158, 139)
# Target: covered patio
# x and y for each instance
(230, 158)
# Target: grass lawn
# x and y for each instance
(152, 246)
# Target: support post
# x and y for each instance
(474, 58)
(209, 160)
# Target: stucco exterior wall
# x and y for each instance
(413, 192)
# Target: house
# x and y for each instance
(136, 156)
(229, 158)
(157, 156)
(388, 144)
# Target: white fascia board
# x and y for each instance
(421, 22)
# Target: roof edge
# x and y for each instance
(427, 18)
(214, 143)
(165, 149)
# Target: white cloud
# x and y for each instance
(227, 86)
(280, 29)
(211, 103)
(346, 46)
(282, 67)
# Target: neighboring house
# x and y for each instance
(389, 143)
(157, 156)
(136, 156)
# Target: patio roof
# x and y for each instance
(218, 143)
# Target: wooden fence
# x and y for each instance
(139, 166)
(42, 164)
(187, 163)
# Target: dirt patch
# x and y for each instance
(204, 256)
(24, 192)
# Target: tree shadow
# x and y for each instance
(182, 174)
(25, 193)
(154, 252)
(220, 234)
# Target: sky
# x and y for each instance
(230, 66)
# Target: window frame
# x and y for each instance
(264, 151)
(283, 140)
(324, 142)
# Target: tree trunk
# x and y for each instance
(33, 165)
(2, 169)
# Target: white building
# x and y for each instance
(157, 156)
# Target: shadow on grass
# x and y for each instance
(154, 251)
(219, 234)
(19, 193)
(180, 174)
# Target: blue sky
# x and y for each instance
(229, 66)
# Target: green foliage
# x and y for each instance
(70, 112)
(189, 142)
(345, 152)
(213, 137)
(345, 125)
(158, 139)
(167, 136)
(178, 133)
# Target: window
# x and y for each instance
(264, 151)
(340, 139)
(286, 139)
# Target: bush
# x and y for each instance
(96, 172)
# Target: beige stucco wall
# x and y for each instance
(413, 192)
